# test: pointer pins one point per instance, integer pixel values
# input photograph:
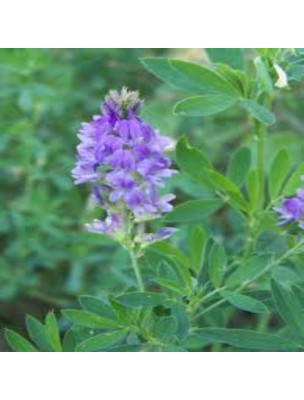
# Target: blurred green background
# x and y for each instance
(47, 259)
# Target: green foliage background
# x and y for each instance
(47, 260)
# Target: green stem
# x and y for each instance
(258, 211)
(250, 240)
(260, 154)
(208, 296)
(212, 307)
(260, 134)
(137, 272)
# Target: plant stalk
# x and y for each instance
(137, 270)
(260, 154)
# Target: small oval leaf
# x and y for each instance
(141, 299)
(259, 112)
(203, 105)
(101, 342)
(248, 339)
(278, 171)
(193, 210)
(18, 343)
(244, 302)
(88, 319)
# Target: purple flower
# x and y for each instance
(163, 204)
(163, 233)
(112, 224)
(125, 159)
(292, 209)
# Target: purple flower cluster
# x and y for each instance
(292, 209)
(123, 157)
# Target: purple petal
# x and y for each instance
(109, 226)
(96, 226)
(164, 233)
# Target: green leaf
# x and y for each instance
(258, 111)
(141, 299)
(101, 342)
(263, 76)
(167, 250)
(236, 78)
(132, 348)
(171, 285)
(248, 270)
(299, 294)
(217, 264)
(188, 76)
(195, 342)
(181, 262)
(37, 333)
(268, 53)
(295, 72)
(285, 275)
(207, 81)
(239, 166)
(17, 342)
(69, 341)
(98, 305)
(165, 327)
(88, 319)
(192, 160)
(229, 188)
(232, 57)
(164, 70)
(174, 349)
(179, 311)
(52, 331)
(197, 245)
(288, 307)
(204, 105)
(193, 210)
(243, 302)
(294, 182)
(164, 268)
(248, 339)
(278, 171)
